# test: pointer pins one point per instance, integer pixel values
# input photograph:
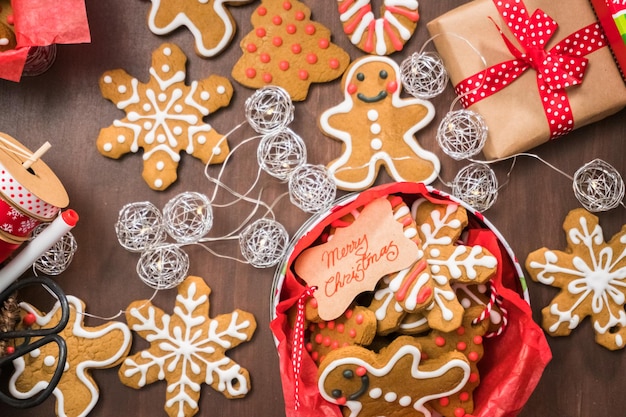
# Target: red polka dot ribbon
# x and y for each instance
(297, 348)
(14, 222)
(558, 68)
(20, 197)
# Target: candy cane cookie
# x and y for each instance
(383, 35)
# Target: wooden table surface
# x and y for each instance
(64, 106)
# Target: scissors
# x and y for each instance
(34, 339)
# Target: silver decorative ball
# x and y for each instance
(423, 75)
(57, 259)
(263, 243)
(163, 267)
(462, 134)
(477, 185)
(280, 152)
(269, 109)
(188, 217)
(598, 186)
(311, 188)
(139, 226)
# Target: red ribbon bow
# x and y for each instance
(558, 68)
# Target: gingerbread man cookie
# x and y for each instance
(383, 35)
(591, 274)
(376, 127)
(188, 348)
(164, 116)
(440, 227)
(209, 21)
(7, 38)
(394, 382)
(88, 348)
(288, 49)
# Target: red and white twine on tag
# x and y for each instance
(298, 343)
(494, 299)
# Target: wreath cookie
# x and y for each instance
(188, 348)
(591, 274)
(164, 116)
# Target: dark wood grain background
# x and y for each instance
(64, 106)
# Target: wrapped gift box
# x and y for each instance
(40, 23)
(612, 17)
(520, 110)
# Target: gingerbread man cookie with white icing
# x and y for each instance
(394, 382)
(383, 35)
(377, 127)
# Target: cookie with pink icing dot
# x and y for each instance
(397, 381)
(377, 128)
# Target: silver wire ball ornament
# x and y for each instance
(57, 259)
(423, 75)
(280, 152)
(269, 109)
(311, 188)
(263, 243)
(139, 226)
(188, 217)
(477, 185)
(462, 134)
(598, 186)
(163, 267)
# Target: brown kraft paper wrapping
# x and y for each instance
(515, 115)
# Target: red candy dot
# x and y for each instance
(360, 371)
(287, 5)
(440, 341)
(340, 327)
(444, 401)
(392, 86)
(472, 356)
(351, 88)
(352, 333)
(9, 350)
(333, 63)
(323, 43)
(331, 325)
(309, 347)
(309, 29)
(10, 19)
(359, 319)
(251, 47)
(311, 58)
(464, 396)
(326, 341)
(267, 78)
(313, 302)
(341, 401)
(459, 412)
(335, 345)
(299, 15)
(265, 58)
(319, 338)
(283, 65)
(29, 319)
(296, 48)
(349, 313)
(473, 377)
(291, 28)
(277, 41)
(260, 32)
(277, 20)
(478, 340)
(461, 346)
(322, 325)
(424, 356)
(460, 331)
(250, 73)
(315, 355)
(261, 11)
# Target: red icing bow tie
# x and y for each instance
(558, 68)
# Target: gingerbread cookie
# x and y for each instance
(88, 348)
(357, 326)
(376, 127)
(164, 116)
(383, 35)
(209, 21)
(481, 295)
(288, 49)
(591, 274)
(394, 382)
(440, 227)
(7, 38)
(188, 348)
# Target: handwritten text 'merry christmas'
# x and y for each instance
(356, 258)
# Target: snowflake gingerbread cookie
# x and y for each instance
(377, 127)
(188, 348)
(164, 116)
(591, 274)
(209, 21)
(88, 348)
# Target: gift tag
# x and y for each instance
(356, 258)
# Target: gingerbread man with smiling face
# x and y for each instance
(377, 127)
